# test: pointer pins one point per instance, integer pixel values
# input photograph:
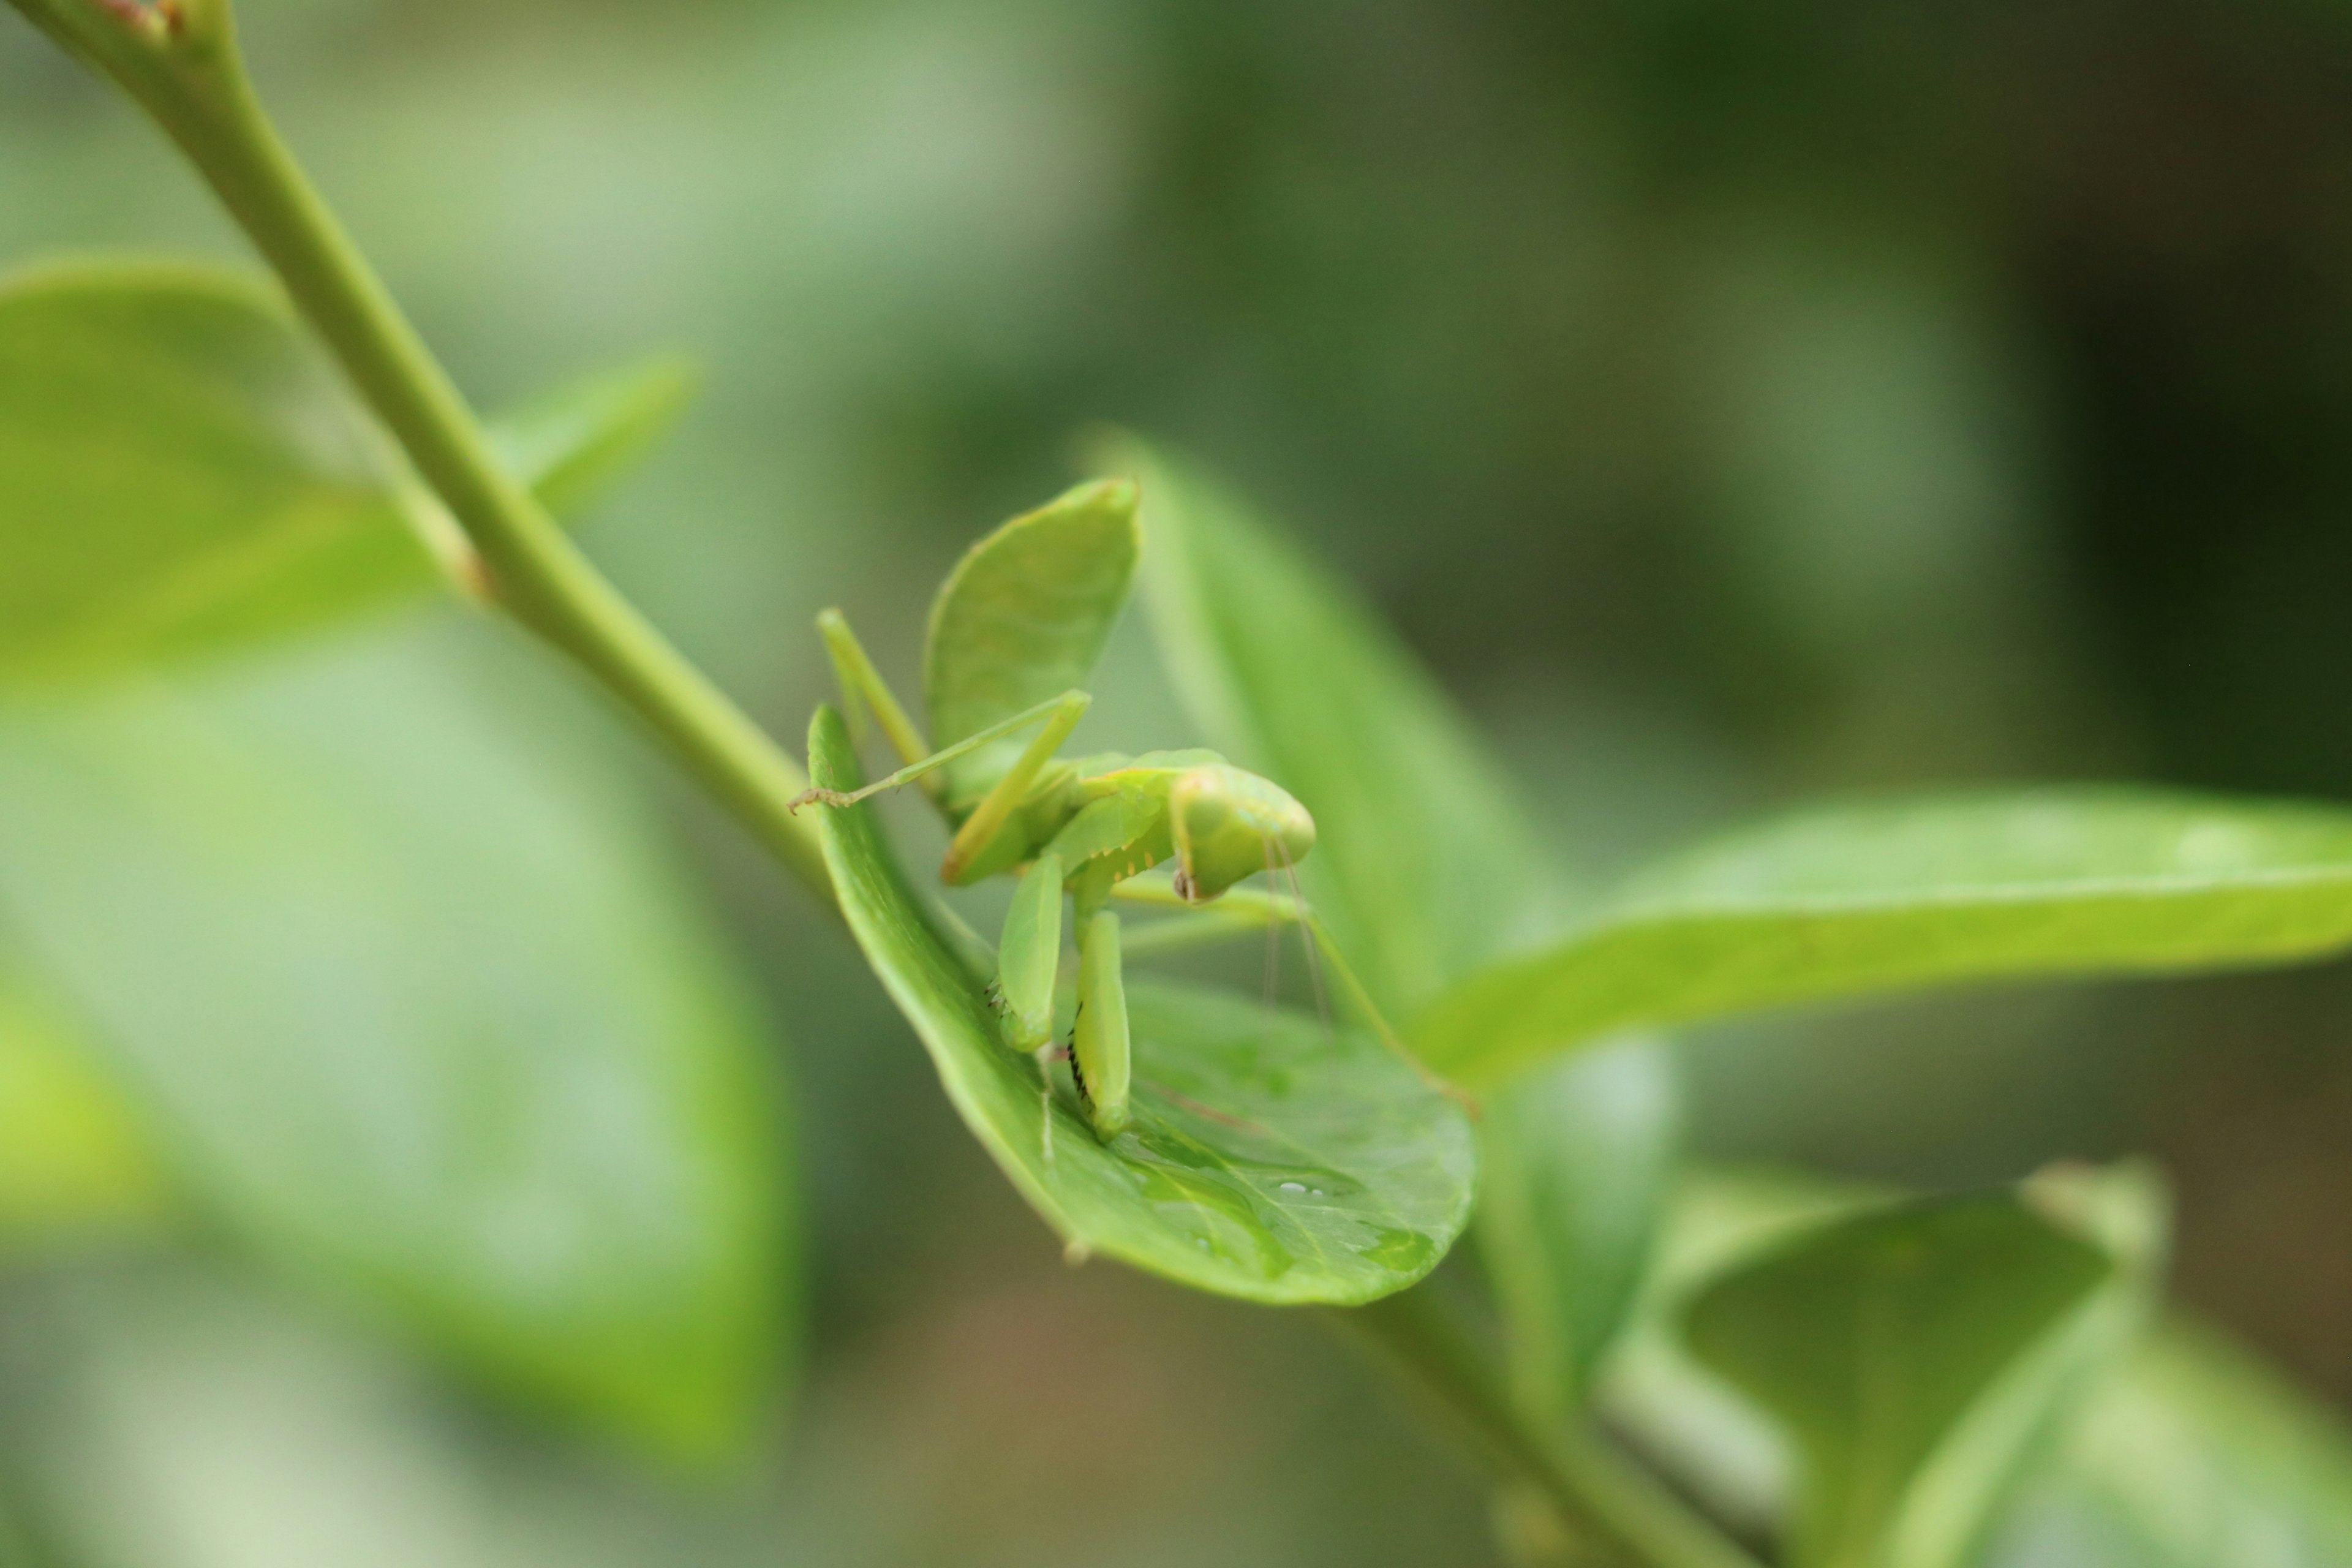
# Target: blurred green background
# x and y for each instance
(1734, 404)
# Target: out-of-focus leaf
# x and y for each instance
(1715, 1443)
(2012, 1439)
(1422, 863)
(178, 470)
(2014, 1432)
(1869, 1338)
(422, 1015)
(75, 1157)
(181, 474)
(569, 444)
(1576, 1164)
(1872, 900)
(2195, 1456)
(1270, 1160)
(1022, 619)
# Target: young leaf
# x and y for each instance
(1879, 899)
(181, 475)
(422, 1015)
(1022, 619)
(1576, 1164)
(571, 443)
(1869, 1338)
(1423, 862)
(1270, 1160)
(75, 1157)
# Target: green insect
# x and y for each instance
(1014, 633)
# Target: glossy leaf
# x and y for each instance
(77, 1157)
(1268, 1160)
(1023, 618)
(422, 1015)
(1423, 863)
(1576, 1164)
(1878, 899)
(1869, 1338)
(181, 475)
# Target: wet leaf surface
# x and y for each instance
(1270, 1159)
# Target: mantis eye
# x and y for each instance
(1229, 825)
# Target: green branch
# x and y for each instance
(1596, 1490)
(178, 60)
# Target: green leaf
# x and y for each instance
(1423, 863)
(1022, 619)
(571, 445)
(1878, 899)
(1576, 1168)
(1869, 1338)
(177, 469)
(181, 475)
(2014, 1432)
(2196, 1456)
(75, 1157)
(1270, 1160)
(424, 1016)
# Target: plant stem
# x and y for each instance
(1596, 1489)
(181, 64)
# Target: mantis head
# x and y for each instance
(1229, 825)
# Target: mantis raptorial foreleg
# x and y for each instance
(1101, 1055)
(976, 851)
(1030, 955)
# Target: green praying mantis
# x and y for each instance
(1014, 633)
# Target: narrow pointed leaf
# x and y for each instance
(422, 1016)
(182, 474)
(1869, 1338)
(1023, 618)
(1424, 862)
(1880, 898)
(1268, 1160)
(571, 444)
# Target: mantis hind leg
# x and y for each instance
(1101, 1056)
(1029, 954)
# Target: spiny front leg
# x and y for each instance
(1100, 1051)
(1029, 953)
